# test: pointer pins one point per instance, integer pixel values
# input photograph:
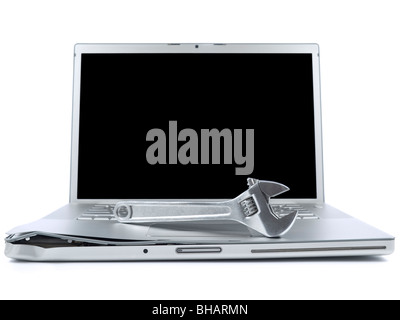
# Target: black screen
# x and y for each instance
(182, 125)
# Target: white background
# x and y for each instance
(360, 74)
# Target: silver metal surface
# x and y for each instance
(250, 208)
(213, 252)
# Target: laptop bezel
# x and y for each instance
(80, 49)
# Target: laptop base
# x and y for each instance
(199, 252)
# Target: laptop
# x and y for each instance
(192, 122)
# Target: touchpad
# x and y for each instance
(203, 229)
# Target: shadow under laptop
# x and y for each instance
(370, 259)
(344, 259)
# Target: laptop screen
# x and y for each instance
(195, 125)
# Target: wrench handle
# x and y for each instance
(142, 212)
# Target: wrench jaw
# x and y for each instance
(263, 218)
(269, 226)
(271, 188)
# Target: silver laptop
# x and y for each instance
(142, 118)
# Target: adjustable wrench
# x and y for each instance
(251, 208)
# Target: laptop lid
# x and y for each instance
(193, 121)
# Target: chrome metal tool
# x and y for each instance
(251, 208)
